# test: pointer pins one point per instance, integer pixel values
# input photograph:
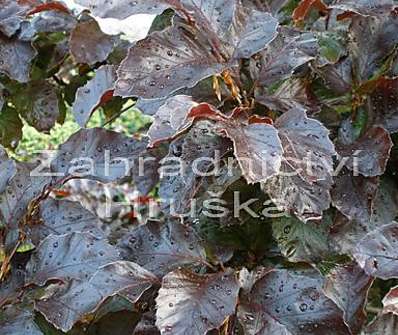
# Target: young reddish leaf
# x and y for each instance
(88, 44)
(305, 6)
(90, 96)
(348, 286)
(207, 299)
(390, 301)
(62, 217)
(365, 7)
(98, 154)
(288, 302)
(354, 196)
(79, 298)
(18, 320)
(170, 119)
(190, 158)
(15, 59)
(303, 185)
(383, 104)
(58, 6)
(377, 252)
(38, 104)
(75, 255)
(302, 242)
(162, 247)
(289, 50)
(172, 59)
(370, 153)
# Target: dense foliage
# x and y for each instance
(266, 183)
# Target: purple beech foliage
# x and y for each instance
(266, 184)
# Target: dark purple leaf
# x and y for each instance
(88, 44)
(78, 299)
(21, 189)
(367, 53)
(190, 158)
(365, 7)
(76, 255)
(383, 104)
(62, 217)
(348, 286)
(10, 136)
(15, 59)
(354, 196)
(346, 234)
(257, 148)
(11, 286)
(338, 77)
(285, 302)
(39, 106)
(377, 252)
(291, 94)
(189, 303)
(303, 185)
(18, 321)
(384, 324)
(172, 59)
(171, 118)
(98, 154)
(162, 247)
(8, 168)
(369, 154)
(89, 96)
(286, 53)
(147, 326)
(302, 242)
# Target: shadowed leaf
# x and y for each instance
(78, 299)
(287, 52)
(377, 252)
(354, 196)
(18, 320)
(370, 153)
(302, 242)
(348, 286)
